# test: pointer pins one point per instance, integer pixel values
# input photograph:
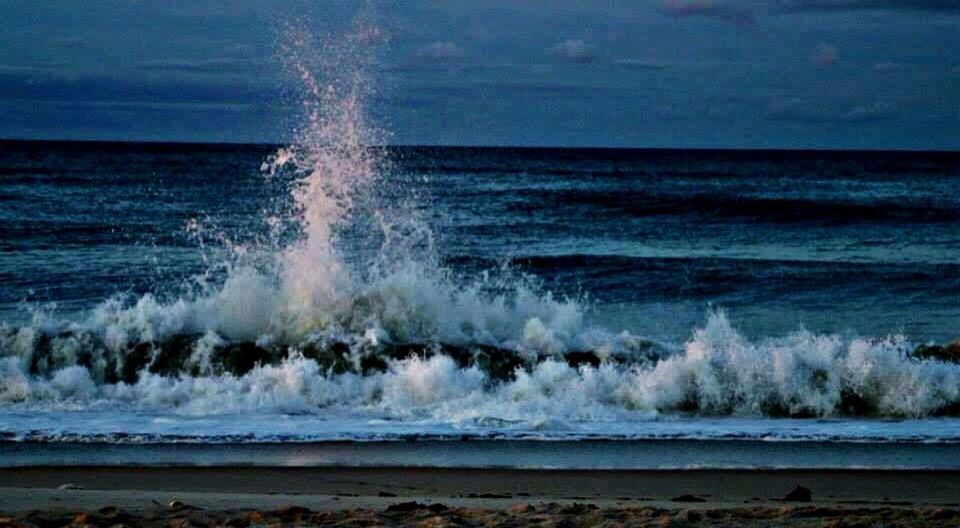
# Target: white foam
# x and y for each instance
(719, 372)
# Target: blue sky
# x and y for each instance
(645, 73)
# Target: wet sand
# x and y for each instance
(106, 496)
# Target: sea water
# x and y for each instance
(335, 289)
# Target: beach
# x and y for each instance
(240, 496)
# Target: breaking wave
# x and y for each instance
(534, 379)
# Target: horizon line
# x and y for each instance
(264, 144)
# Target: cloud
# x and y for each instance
(889, 67)
(206, 66)
(871, 112)
(824, 56)
(849, 5)
(444, 55)
(442, 51)
(707, 8)
(119, 86)
(573, 50)
(792, 110)
(6, 69)
(799, 110)
(639, 64)
(70, 42)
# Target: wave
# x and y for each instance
(537, 377)
(608, 263)
(678, 164)
(49, 176)
(611, 278)
(139, 427)
(645, 203)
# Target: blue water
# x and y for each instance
(651, 454)
(860, 242)
(721, 292)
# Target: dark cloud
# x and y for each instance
(70, 42)
(639, 64)
(824, 56)
(16, 84)
(871, 112)
(846, 5)
(808, 111)
(46, 69)
(888, 67)
(211, 66)
(708, 8)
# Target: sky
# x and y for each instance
(861, 74)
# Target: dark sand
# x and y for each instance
(242, 496)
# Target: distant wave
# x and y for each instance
(625, 277)
(668, 164)
(637, 204)
(46, 176)
(604, 263)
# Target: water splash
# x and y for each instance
(361, 267)
(364, 263)
(334, 163)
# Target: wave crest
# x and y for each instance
(717, 372)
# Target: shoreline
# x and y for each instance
(853, 486)
(327, 495)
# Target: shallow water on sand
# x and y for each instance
(650, 454)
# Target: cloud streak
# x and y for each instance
(573, 50)
(803, 111)
(708, 9)
(640, 64)
(442, 51)
(852, 5)
(211, 66)
(885, 67)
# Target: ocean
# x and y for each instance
(212, 294)
(265, 303)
